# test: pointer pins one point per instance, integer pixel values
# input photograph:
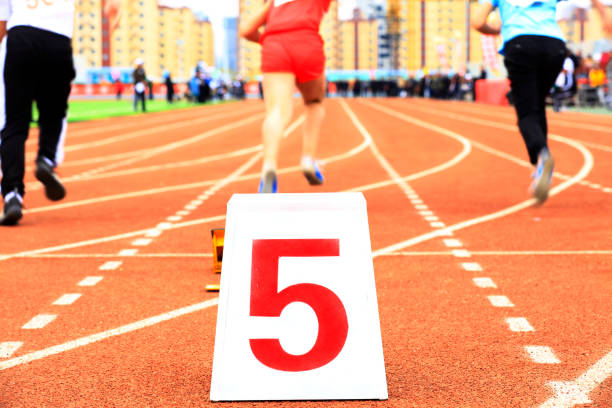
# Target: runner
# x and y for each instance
(534, 51)
(292, 54)
(38, 35)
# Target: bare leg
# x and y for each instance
(278, 90)
(313, 93)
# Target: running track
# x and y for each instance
(485, 301)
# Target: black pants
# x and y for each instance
(140, 97)
(37, 67)
(533, 64)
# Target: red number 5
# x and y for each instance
(268, 302)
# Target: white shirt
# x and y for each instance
(51, 15)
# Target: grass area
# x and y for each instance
(81, 110)
(597, 110)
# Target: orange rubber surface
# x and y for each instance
(144, 192)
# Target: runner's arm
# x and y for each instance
(605, 14)
(249, 29)
(479, 20)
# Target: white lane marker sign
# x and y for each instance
(298, 314)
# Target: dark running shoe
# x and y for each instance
(312, 172)
(12, 211)
(54, 189)
(268, 183)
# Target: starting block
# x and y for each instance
(218, 237)
(298, 314)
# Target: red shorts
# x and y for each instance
(297, 52)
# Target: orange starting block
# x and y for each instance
(218, 236)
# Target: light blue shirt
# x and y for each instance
(527, 17)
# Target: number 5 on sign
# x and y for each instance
(298, 316)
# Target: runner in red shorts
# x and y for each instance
(292, 54)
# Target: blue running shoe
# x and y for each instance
(311, 171)
(268, 183)
(542, 176)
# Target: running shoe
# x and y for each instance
(54, 189)
(542, 176)
(312, 172)
(268, 182)
(12, 210)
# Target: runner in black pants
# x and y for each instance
(39, 36)
(534, 51)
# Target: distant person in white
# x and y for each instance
(35, 34)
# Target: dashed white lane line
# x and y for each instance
(9, 347)
(67, 299)
(191, 207)
(461, 253)
(570, 393)
(453, 243)
(83, 341)
(38, 322)
(174, 218)
(471, 266)
(154, 233)
(519, 324)
(183, 213)
(111, 265)
(164, 226)
(431, 218)
(542, 355)
(127, 252)
(90, 281)
(485, 283)
(500, 301)
(425, 213)
(438, 224)
(421, 207)
(142, 242)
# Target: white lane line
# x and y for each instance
(197, 202)
(471, 266)
(421, 207)
(38, 322)
(500, 301)
(183, 213)
(174, 218)
(426, 212)
(127, 252)
(584, 171)
(437, 224)
(164, 226)
(484, 283)
(571, 393)
(191, 207)
(110, 265)
(90, 281)
(542, 355)
(84, 341)
(154, 233)
(106, 239)
(142, 242)
(453, 243)
(461, 253)
(431, 218)
(67, 299)
(8, 348)
(519, 324)
(416, 201)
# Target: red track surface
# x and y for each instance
(445, 344)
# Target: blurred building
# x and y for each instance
(249, 53)
(87, 40)
(230, 46)
(165, 38)
(359, 43)
(331, 34)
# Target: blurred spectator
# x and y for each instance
(118, 85)
(565, 85)
(169, 87)
(140, 80)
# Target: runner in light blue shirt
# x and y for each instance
(527, 17)
(534, 50)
